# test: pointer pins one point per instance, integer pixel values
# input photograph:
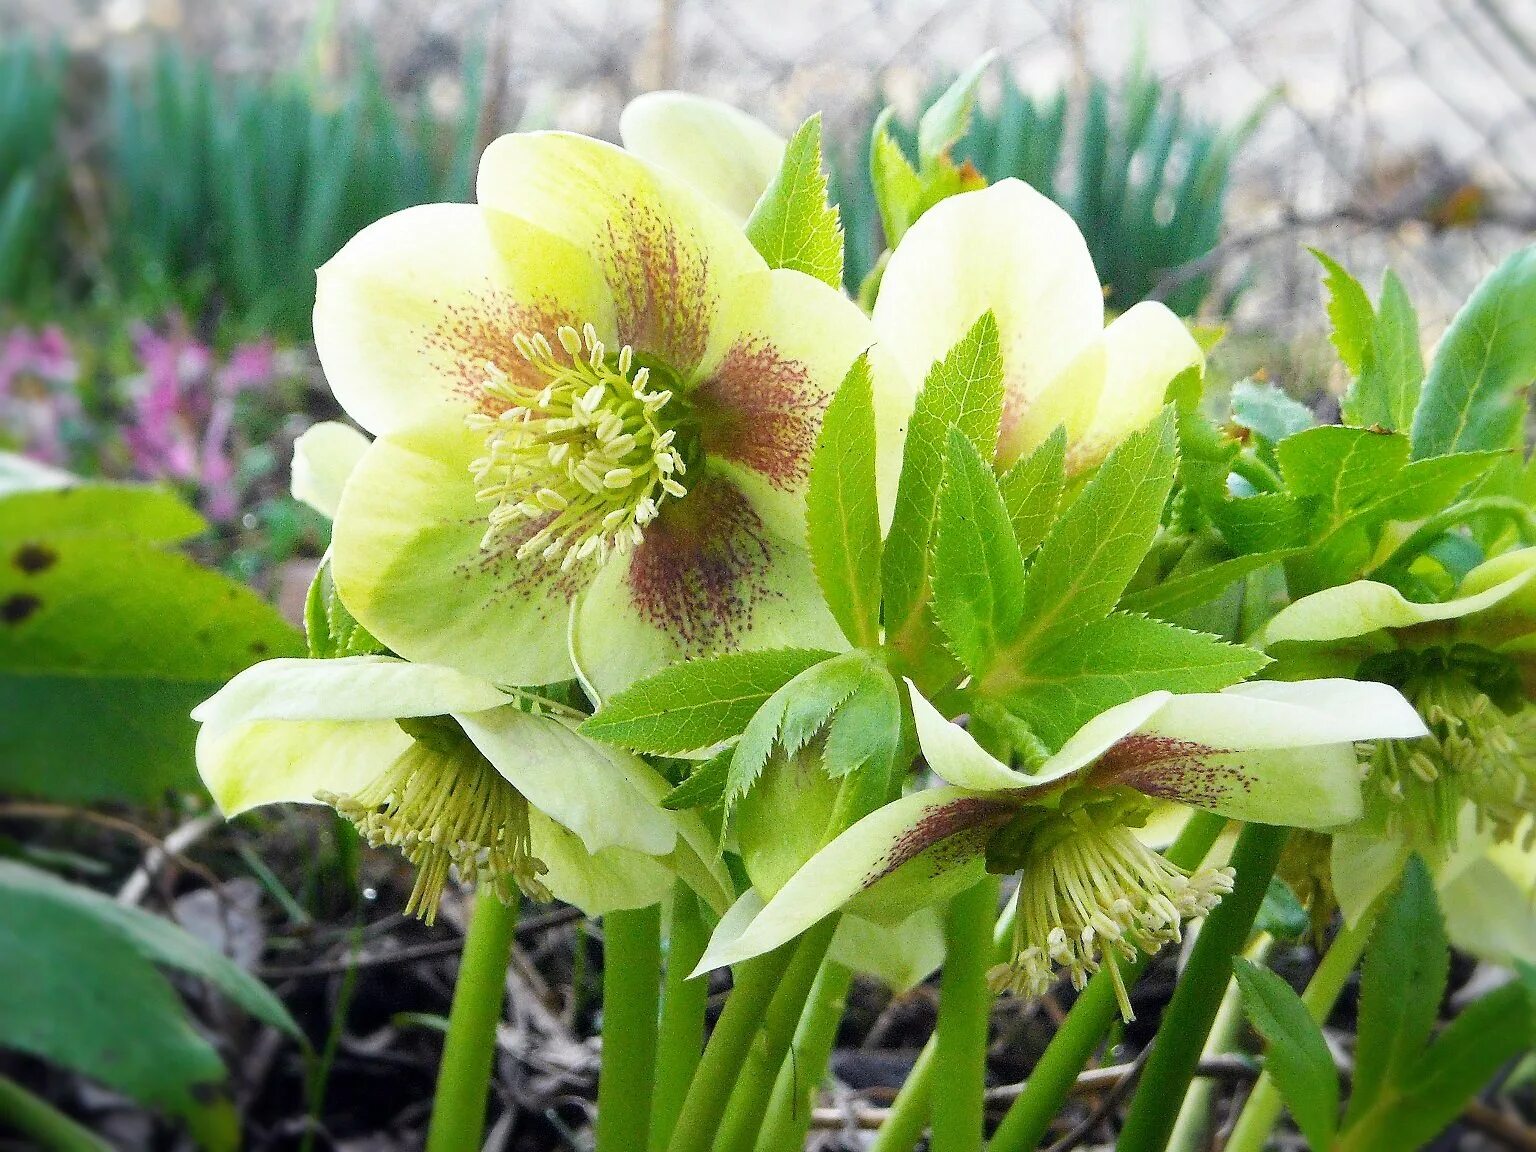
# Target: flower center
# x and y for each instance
(1477, 753)
(1088, 888)
(579, 466)
(444, 805)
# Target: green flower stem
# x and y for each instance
(1197, 996)
(756, 982)
(681, 1039)
(801, 1074)
(755, 1079)
(464, 1077)
(1323, 991)
(31, 1116)
(1523, 518)
(631, 999)
(1027, 1120)
(1192, 1131)
(965, 1003)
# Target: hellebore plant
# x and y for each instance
(668, 579)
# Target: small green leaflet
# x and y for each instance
(1349, 308)
(1342, 468)
(842, 509)
(898, 188)
(1474, 395)
(330, 629)
(1032, 490)
(1266, 410)
(698, 703)
(793, 226)
(1379, 347)
(1097, 543)
(978, 571)
(1401, 985)
(1298, 1060)
(949, 117)
(1177, 593)
(705, 785)
(1059, 688)
(848, 696)
(964, 390)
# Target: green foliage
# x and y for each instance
(243, 187)
(1032, 490)
(1147, 185)
(31, 169)
(698, 703)
(330, 629)
(964, 390)
(1474, 395)
(793, 226)
(1268, 412)
(1379, 347)
(80, 986)
(842, 509)
(1299, 1060)
(108, 635)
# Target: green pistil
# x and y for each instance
(445, 806)
(1088, 886)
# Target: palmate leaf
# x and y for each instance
(842, 509)
(1474, 395)
(1032, 490)
(793, 225)
(698, 703)
(964, 390)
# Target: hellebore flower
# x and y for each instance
(594, 408)
(1010, 250)
(1263, 751)
(448, 769)
(721, 151)
(1468, 665)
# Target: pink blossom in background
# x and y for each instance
(38, 374)
(183, 410)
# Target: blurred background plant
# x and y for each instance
(1145, 180)
(31, 169)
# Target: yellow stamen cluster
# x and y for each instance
(445, 806)
(1089, 888)
(1476, 753)
(586, 456)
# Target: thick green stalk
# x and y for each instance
(1030, 1115)
(756, 982)
(1262, 1108)
(631, 998)
(908, 1115)
(801, 1074)
(1197, 996)
(965, 1003)
(681, 1039)
(757, 1075)
(464, 1077)
(35, 1118)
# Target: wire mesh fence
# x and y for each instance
(1396, 131)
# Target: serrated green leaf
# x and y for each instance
(964, 390)
(1109, 661)
(705, 785)
(1097, 543)
(1342, 468)
(1424, 487)
(1468, 1054)
(1265, 409)
(330, 629)
(948, 118)
(898, 188)
(842, 511)
(1349, 308)
(1298, 1056)
(793, 225)
(697, 703)
(793, 715)
(978, 571)
(1180, 594)
(1386, 391)
(865, 732)
(1281, 914)
(1262, 523)
(1032, 490)
(1401, 985)
(1474, 395)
